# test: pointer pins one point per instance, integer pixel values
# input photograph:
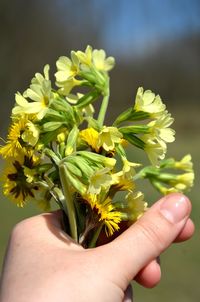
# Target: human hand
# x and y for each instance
(44, 264)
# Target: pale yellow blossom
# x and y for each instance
(108, 137)
(136, 206)
(147, 101)
(101, 179)
(185, 163)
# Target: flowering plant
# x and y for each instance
(57, 149)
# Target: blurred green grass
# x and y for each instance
(180, 264)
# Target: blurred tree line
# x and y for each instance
(34, 33)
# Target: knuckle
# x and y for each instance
(153, 234)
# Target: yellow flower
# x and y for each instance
(39, 78)
(94, 58)
(100, 179)
(31, 134)
(66, 69)
(106, 213)
(17, 141)
(128, 168)
(41, 99)
(120, 183)
(147, 101)
(15, 185)
(155, 151)
(108, 137)
(159, 128)
(84, 57)
(166, 191)
(185, 163)
(184, 181)
(67, 86)
(39, 93)
(90, 136)
(101, 62)
(136, 206)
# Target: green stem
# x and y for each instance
(104, 106)
(69, 203)
(95, 236)
(140, 175)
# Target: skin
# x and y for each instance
(43, 263)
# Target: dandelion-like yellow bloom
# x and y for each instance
(106, 213)
(15, 185)
(90, 136)
(22, 134)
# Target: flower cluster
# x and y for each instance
(59, 150)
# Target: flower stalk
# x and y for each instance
(68, 202)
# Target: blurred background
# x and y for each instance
(156, 45)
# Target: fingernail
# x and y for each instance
(175, 207)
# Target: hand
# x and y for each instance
(44, 264)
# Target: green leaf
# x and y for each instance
(134, 140)
(136, 129)
(87, 99)
(51, 126)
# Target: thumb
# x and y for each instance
(147, 238)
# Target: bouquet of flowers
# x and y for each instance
(59, 150)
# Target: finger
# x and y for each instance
(148, 237)
(186, 232)
(150, 275)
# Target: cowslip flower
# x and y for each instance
(101, 62)
(108, 137)
(148, 102)
(184, 181)
(159, 129)
(129, 168)
(136, 206)
(101, 179)
(155, 150)
(185, 163)
(41, 97)
(67, 70)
